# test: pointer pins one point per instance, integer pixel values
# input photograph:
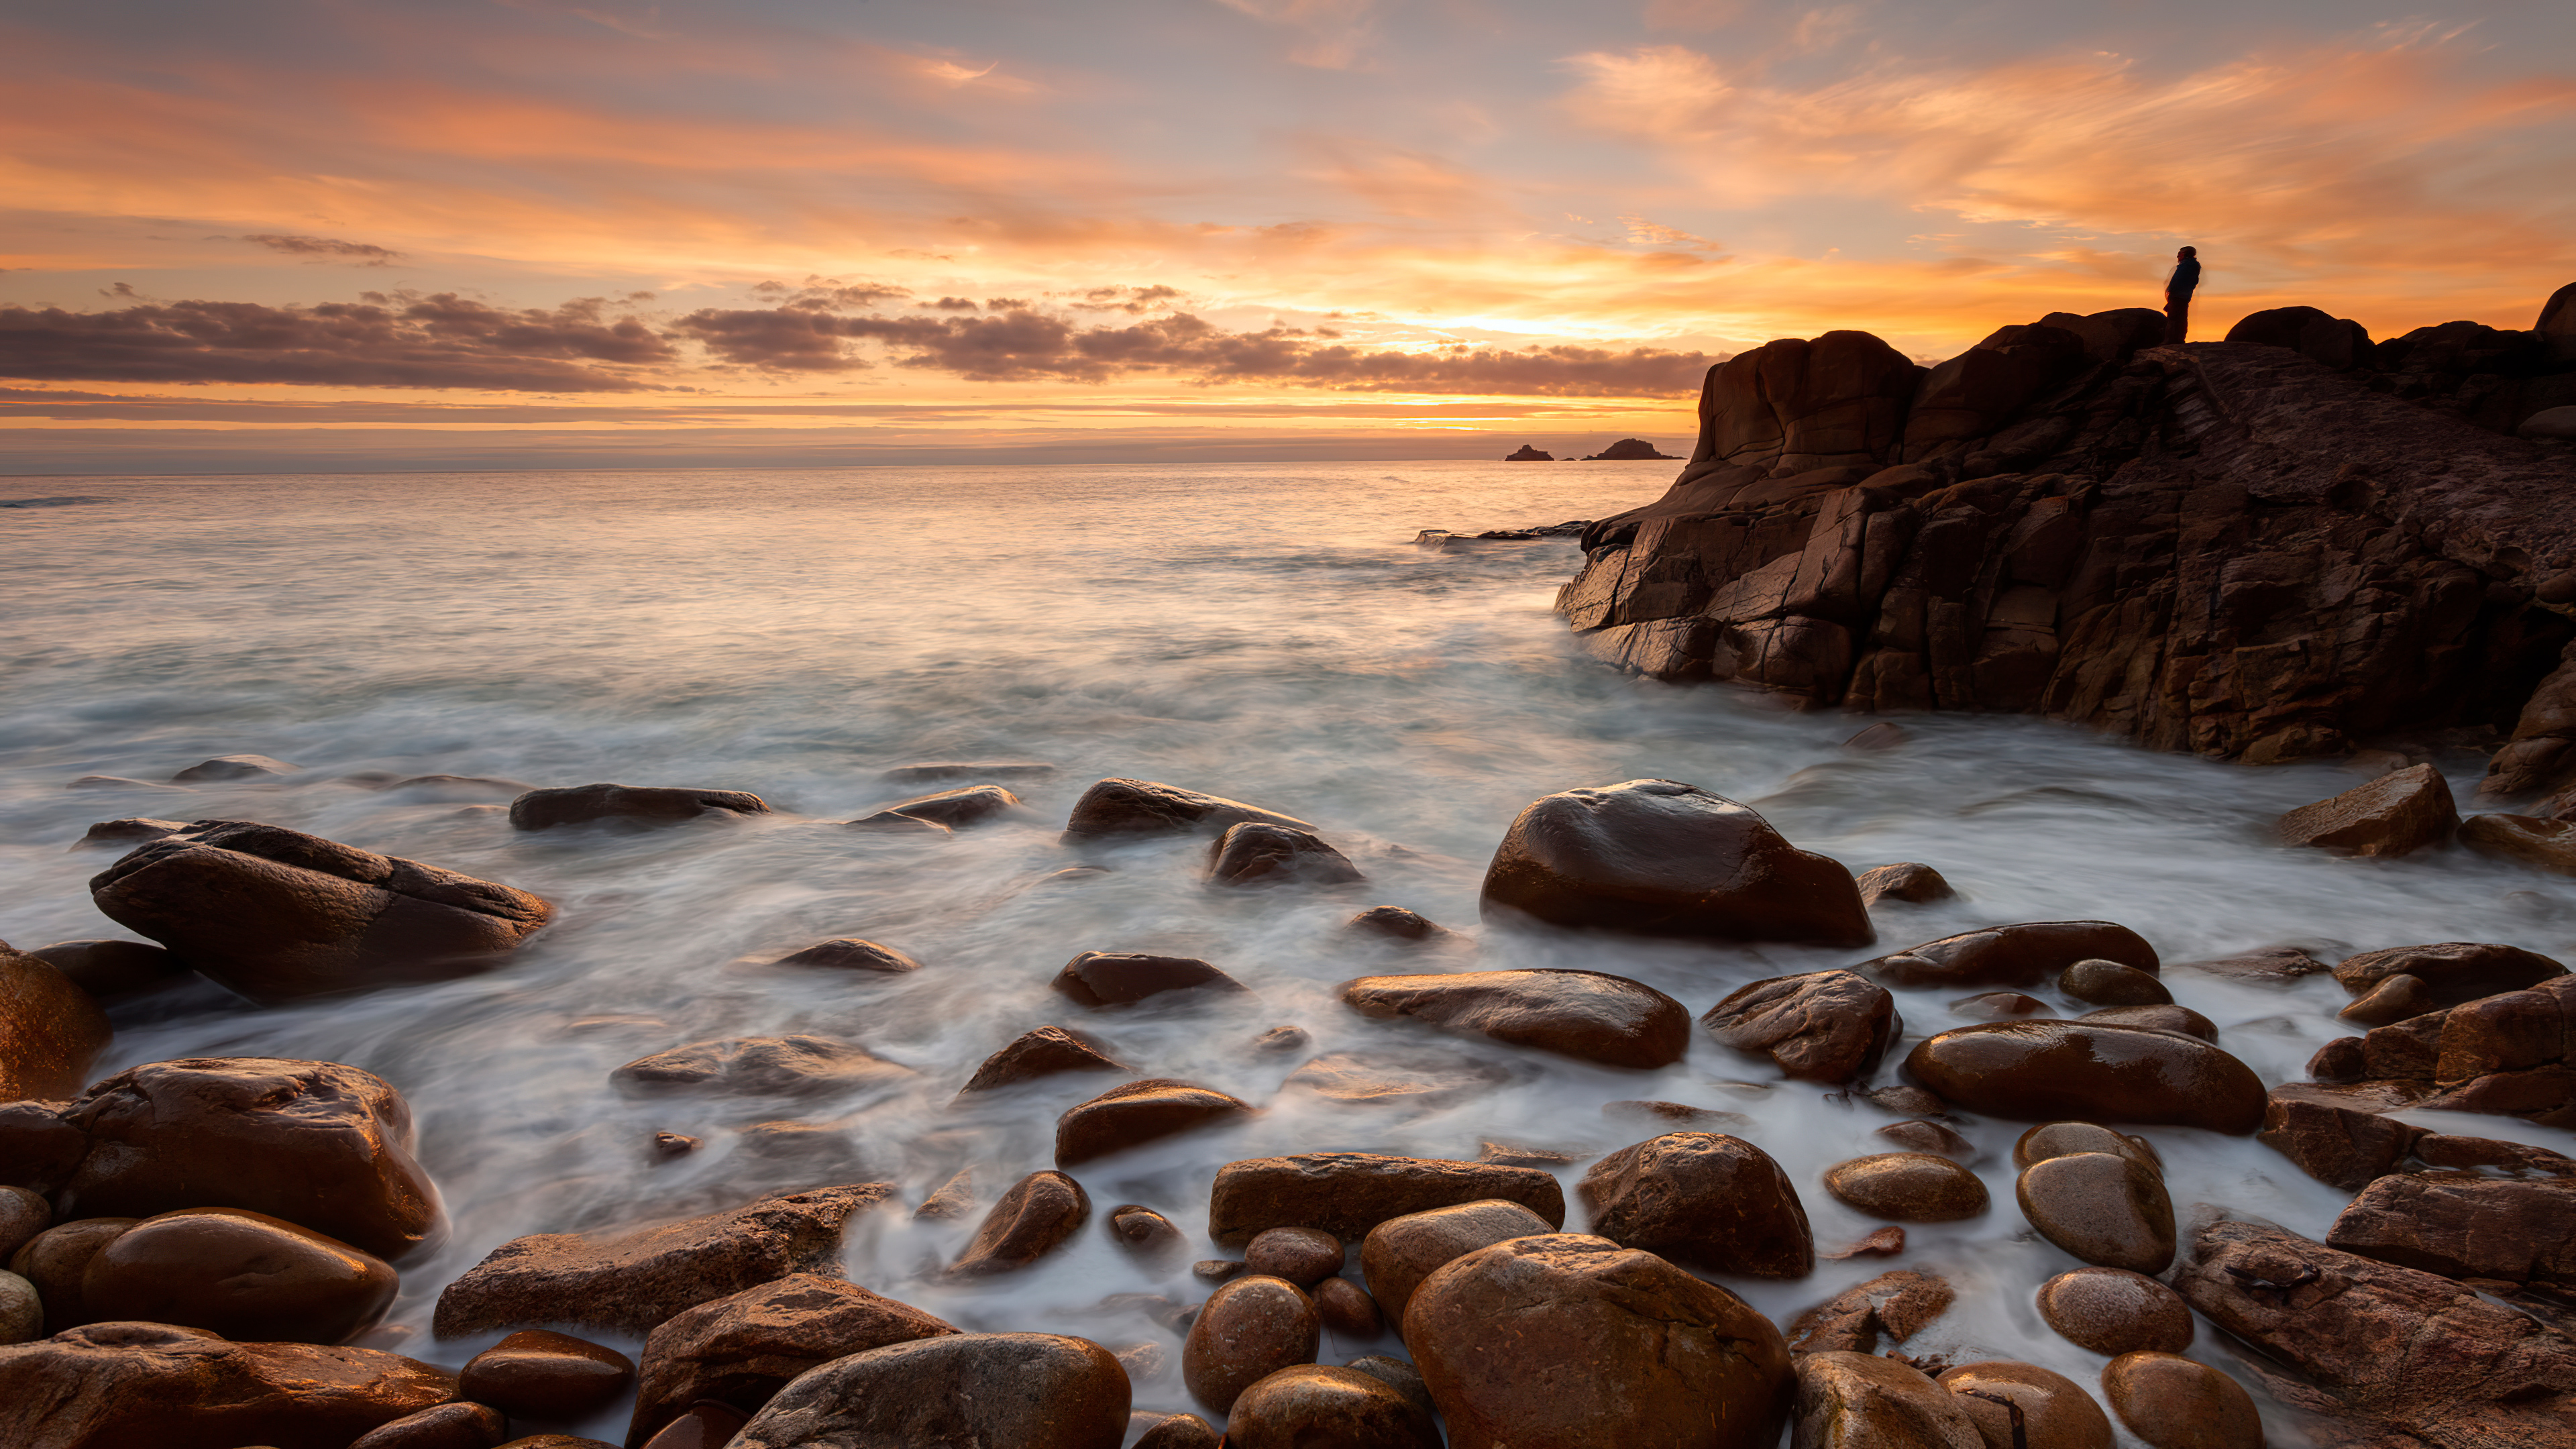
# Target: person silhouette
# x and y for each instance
(2186, 275)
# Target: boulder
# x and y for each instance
(1114, 978)
(2466, 1225)
(55, 1263)
(2394, 999)
(1348, 1193)
(446, 1426)
(2020, 955)
(2103, 1208)
(1395, 923)
(637, 804)
(23, 1214)
(2336, 342)
(2173, 1403)
(1907, 882)
(2397, 814)
(2339, 1134)
(324, 1146)
(1919, 1135)
(244, 1275)
(2114, 1311)
(1042, 1052)
(2549, 845)
(539, 1374)
(2038, 1070)
(2167, 1017)
(1303, 1256)
(279, 916)
(129, 831)
(1152, 1237)
(2452, 972)
(1822, 1026)
(157, 1384)
(633, 1281)
(38, 1149)
(1257, 852)
(1400, 1252)
(1588, 1015)
(112, 970)
(2327, 1326)
(1416, 1079)
(50, 1029)
(1039, 1212)
(1027, 1390)
(2108, 983)
(741, 1350)
(1565, 1340)
(1309, 1405)
(22, 1310)
(233, 767)
(1899, 1304)
(1857, 1401)
(1347, 1309)
(759, 1066)
(1705, 1200)
(1135, 1113)
(958, 809)
(1911, 1187)
(1528, 453)
(1117, 807)
(2065, 1139)
(848, 953)
(2054, 1412)
(1250, 1328)
(1660, 858)
(2272, 964)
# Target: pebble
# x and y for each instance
(447, 1426)
(2056, 1412)
(1913, 1187)
(1347, 1309)
(1251, 1328)
(22, 1313)
(56, 1260)
(2114, 1311)
(23, 1214)
(1341, 1407)
(537, 1374)
(2064, 1139)
(2108, 983)
(245, 1275)
(2103, 1208)
(1180, 1431)
(1303, 1256)
(1920, 1135)
(1146, 1233)
(2172, 1402)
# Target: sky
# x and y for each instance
(277, 235)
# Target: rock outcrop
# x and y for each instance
(1630, 450)
(1528, 454)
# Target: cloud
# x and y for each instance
(436, 341)
(1331, 31)
(363, 253)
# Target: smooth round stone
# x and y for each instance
(1311, 1405)
(2172, 1402)
(2039, 1071)
(1250, 1329)
(2114, 1311)
(1911, 1187)
(2103, 1208)
(1348, 1310)
(2001, 1006)
(1146, 1233)
(707, 1425)
(248, 1276)
(2157, 1018)
(1303, 1256)
(536, 1374)
(1402, 1376)
(55, 1260)
(2056, 1412)
(23, 1214)
(2108, 983)
(1920, 1135)
(1139, 1112)
(447, 1426)
(1861, 1401)
(2065, 1139)
(1180, 1431)
(1402, 1251)
(22, 1313)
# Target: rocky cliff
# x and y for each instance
(2239, 548)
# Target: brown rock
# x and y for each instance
(38, 1149)
(1114, 978)
(278, 915)
(2021, 955)
(1667, 1115)
(1347, 1309)
(1855, 1401)
(1260, 853)
(1566, 1340)
(2001, 1006)
(1116, 807)
(2275, 963)
(1660, 858)
(1280, 1039)
(2108, 983)
(1216, 1270)
(56, 1261)
(1040, 1053)
(23, 1214)
(1023, 1389)
(1398, 1375)
(233, 767)
(741, 1350)
(2453, 971)
(2465, 1225)
(631, 1282)
(113, 970)
(50, 1029)
(2436, 1149)
(2157, 1018)
(2549, 845)
(1395, 923)
(1588, 1015)
(1146, 1233)
(537, 1374)
(245, 1275)
(849, 953)
(1909, 882)
(959, 809)
(1309, 1405)
(1180, 1431)
(1912, 1187)
(2397, 814)
(1922, 1136)
(641, 804)
(2056, 1413)
(1703, 1199)
(1303, 1256)
(2103, 1208)
(447, 1426)
(2394, 999)
(22, 1312)
(183, 1388)
(706, 1425)
(1040, 1211)
(324, 1146)
(558, 1441)
(1898, 1304)
(1400, 1252)
(1823, 1026)
(760, 1066)
(1134, 1113)
(1348, 1193)
(2065, 1139)
(1396, 1078)
(2035, 1070)
(2173, 1403)
(928, 771)
(1251, 1328)
(2337, 1134)
(2114, 1311)
(130, 831)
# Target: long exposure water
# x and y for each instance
(1268, 633)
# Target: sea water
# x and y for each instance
(1269, 633)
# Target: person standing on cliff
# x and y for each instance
(2186, 275)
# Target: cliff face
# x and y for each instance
(2231, 548)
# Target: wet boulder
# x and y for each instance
(849, 953)
(2339, 1134)
(1257, 852)
(2024, 1406)
(2065, 1139)
(279, 916)
(1589, 1015)
(1028, 1390)
(2397, 814)
(1568, 1340)
(111, 970)
(1155, 1239)
(2114, 1311)
(1823, 1026)
(224, 769)
(1348, 1193)
(1347, 1309)
(325, 1146)
(759, 1066)
(630, 1282)
(1898, 1304)
(1660, 858)
(446, 1426)
(630, 804)
(1310, 1405)
(958, 809)
(2038, 1070)
(2548, 845)
(2452, 971)
(1860, 1401)
(539, 1374)
(2167, 1017)
(55, 1263)
(50, 1029)
(1040, 1212)
(1118, 807)
(1400, 1252)
(1042, 1052)
(2466, 1225)
(23, 1214)
(2101, 1207)
(1395, 923)
(1176, 1431)
(1907, 882)
(1251, 1328)
(1911, 1187)
(2171, 1402)
(741, 1350)
(1115, 978)
(1135, 1113)
(170, 1387)
(2018, 955)
(1703, 1199)
(1303, 1256)
(128, 831)
(245, 1275)
(2108, 983)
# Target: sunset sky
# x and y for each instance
(291, 234)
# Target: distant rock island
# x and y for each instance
(1528, 454)
(1627, 449)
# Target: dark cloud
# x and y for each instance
(364, 253)
(398, 340)
(831, 293)
(1126, 299)
(950, 304)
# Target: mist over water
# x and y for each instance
(1267, 633)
